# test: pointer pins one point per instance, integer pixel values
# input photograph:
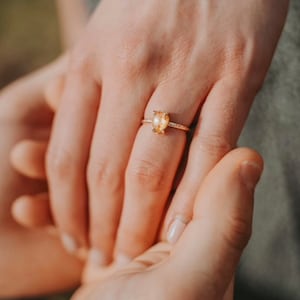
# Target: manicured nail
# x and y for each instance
(98, 258)
(69, 243)
(250, 173)
(175, 230)
(51, 230)
(122, 259)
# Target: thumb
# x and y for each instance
(209, 250)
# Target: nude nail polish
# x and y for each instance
(122, 259)
(175, 230)
(98, 258)
(69, 243)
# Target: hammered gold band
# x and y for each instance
(161, 120)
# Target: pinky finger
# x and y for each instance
(33, 211)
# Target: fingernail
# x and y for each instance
(69, 243)
(250, 173)
(175, 230)
(98, 258)
(122, 259)
(52, 230)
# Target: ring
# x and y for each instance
(161, 120)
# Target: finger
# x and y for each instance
(221, 120)
(229, 294)
(54, 90)
(209, 249)
(152, 168)
(151, 257)
(67, 157)
(28, 157)
(114, 135)
(33, 211)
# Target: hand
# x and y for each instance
(32, 262)
(202, 263)
(201, 62)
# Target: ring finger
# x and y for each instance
(152, 167)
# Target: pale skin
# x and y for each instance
(234, 79)
(178, 259)
(24, 115)
(224, 214)
(203, 261)
(34, 211)
(32, 262)
(201, 61)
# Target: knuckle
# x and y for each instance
(238, 233)
(242, 59)
(130, 63)
(214, 145)
(134, 56)
(102, 173)
(147, 174)
(80, 62)
(59, 163)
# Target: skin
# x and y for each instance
(221, 225)
(72, 17)
(32, 262)
(29, 155)
(202, 263)
(201, 61)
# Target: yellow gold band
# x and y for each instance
(161, 120)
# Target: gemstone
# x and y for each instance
(160, 122)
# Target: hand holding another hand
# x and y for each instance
(200, 61)
(203, 262)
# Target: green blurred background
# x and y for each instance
(29, 36)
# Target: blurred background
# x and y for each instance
(29, 36)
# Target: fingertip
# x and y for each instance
(16, 156)
(32, 211)
(28, 158)
(251, 166)
(21, 211)
(248, 154)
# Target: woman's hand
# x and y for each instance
(201, 61)
(204, 260)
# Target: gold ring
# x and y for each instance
(161, 120)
